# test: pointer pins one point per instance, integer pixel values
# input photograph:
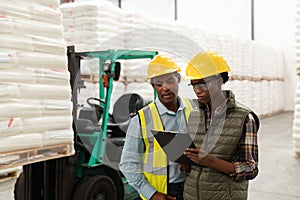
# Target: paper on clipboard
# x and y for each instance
(174, 144)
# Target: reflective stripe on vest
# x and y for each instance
(154, 158)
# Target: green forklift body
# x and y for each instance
(112, 56)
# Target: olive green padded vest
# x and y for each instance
(222, 142)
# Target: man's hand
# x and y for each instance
(161, 196)
(185, 168)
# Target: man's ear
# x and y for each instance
(179, 77)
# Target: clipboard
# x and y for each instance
(174, 144)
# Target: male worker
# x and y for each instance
(225, 135)
(143, 161)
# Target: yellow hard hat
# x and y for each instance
(205, 64)
(160, 65)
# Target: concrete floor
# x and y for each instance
(279, 170)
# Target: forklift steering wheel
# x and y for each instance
(96, 99)
(98, 108)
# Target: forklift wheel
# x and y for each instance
(98, 187)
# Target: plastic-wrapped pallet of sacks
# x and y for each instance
(279, 69)
(89, 66)
(162, 37)
(185, 90)
(296, 123)
(279, 90)
(247, 54)
(137, 30)
(227, 45)
(265, 97)
(144, 89)
(256, 93)
(267, 62)
(213, 42)
(200, 36)
(276, 90)
(7, 189)
(135, 70)
(30, 27)
(236, 87)
(244, 90)
(8, 178)
(236, 67)
(35, 96)
(118, 91)
(258, 59)
(92, 25)
(87, 92)
(296, 126)
(185, 42)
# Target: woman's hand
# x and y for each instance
(199, 156)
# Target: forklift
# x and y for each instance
(92, 172)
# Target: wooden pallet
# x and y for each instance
(9, 175)
(90, 78)
(270, 114)
(28, 156)
(254, 79)
(297, 155)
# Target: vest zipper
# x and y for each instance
(229, 188)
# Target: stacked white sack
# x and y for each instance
(251, 62)
(137, 36)
(92, 25)
(7, 189)
(247, 54)
(8, 178)
(227, 46)
(265, 97)
(35, 92)
(236, 69)
(135, 70)
(144, 89)
(257, 71)
(296, 125)
(185, 43)
(213, 42)
(136, 29)
(258, 59)
(89, 66)
(239, 88)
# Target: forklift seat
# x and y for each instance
(86, 126)
(89, 113)
(124, 108)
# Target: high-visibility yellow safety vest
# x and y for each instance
(154, 158)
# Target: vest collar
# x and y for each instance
(230, 100)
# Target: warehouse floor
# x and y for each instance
(279, 175)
